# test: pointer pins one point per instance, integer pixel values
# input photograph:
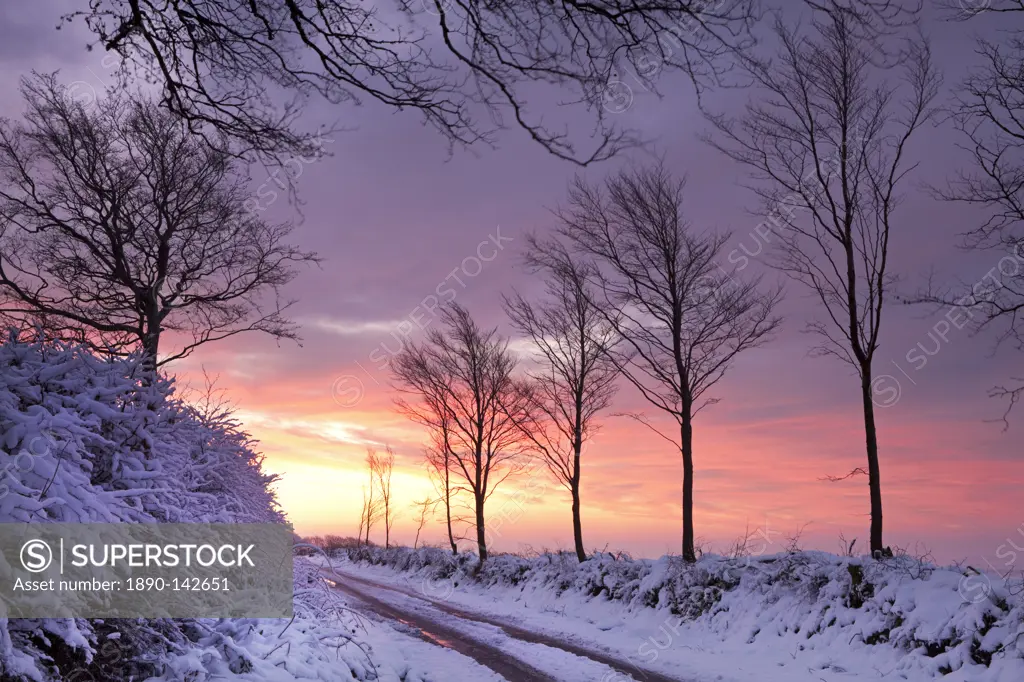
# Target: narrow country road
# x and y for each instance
(451, 627)
(508, 667)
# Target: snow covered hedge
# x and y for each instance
(938, 620)
(84, 439)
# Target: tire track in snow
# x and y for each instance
(510, 668)
(630, 670)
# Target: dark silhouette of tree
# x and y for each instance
(246, 68)
(424, 509)
(576, 378)
(460, 378)
(117, 226)
(827, 140)
(989, 114)
(681, 317)
(373, 506)
(368, 515)
(439, 468)
(381, 468)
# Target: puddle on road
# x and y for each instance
(393, 615)
(435, 638)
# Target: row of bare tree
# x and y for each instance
(635, 291)
(631, 290)
(378, 504)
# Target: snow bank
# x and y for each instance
(927, 621)
(83, 439)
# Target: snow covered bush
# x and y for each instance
(934, 620)
(320, 643)
(84, 439)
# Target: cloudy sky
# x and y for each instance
(395, 217)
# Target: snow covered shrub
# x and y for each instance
(318, 644)
(803, 600)
(84, 439)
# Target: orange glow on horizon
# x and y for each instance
(765, 473)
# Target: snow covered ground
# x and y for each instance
(785, 618)
(326, 641)
(517, 654)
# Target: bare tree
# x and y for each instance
(460, 379)
(827, 143)
(381, 467)
(577, 376)
(363, 515)
(989, 114)
(439, 468)
(681, 317)
(455, 63)
(117, 225)
(425, 509)
(373, 507)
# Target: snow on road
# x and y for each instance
(518, 655)
(572, 636)
(797, 617)
(401, 656)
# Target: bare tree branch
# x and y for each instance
(859, 471)
(117, 226)
(681, 318)
(576, 377)
(245, 69)
(462, 389)
(989, 115)
(425, 509)
(381, 466)
(827, 142)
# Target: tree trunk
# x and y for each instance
(686, 433)
(577, 525)
(481, 536)
(874, 479)
(150, 348)
(362, 525)
(151, 340)
(369, 513)
(362, 520)
(448, 507)
(577, 448)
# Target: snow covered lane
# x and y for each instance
(509, 668)
(515, 653)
